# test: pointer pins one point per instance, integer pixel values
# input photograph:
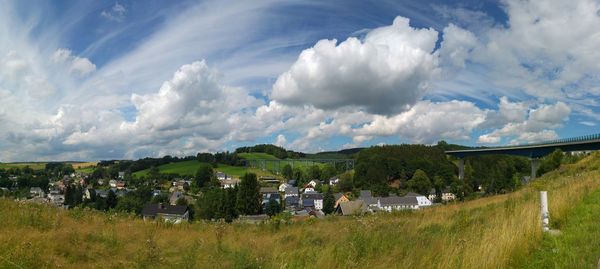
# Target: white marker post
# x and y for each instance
(544, 209)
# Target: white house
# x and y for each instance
(56, 198)
(37, 192)
(309, 188)
(112, 183)
(334, 180)
(422, 201)
(314, 183)
(221, 176)
(229, 183)
(283, 186)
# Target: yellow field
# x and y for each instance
(492, 232)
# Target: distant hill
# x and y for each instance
(189, 168)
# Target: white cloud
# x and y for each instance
(427, 122)
(537, 126)
(281, 140)
(115, 13)
(588, 123)
(75, 64)
(385, 73)
(456, 46)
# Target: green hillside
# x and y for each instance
(257, 155)
(34, 166)
(502, 231)
(189, 168)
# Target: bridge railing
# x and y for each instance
(558, 141)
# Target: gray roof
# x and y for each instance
(352, 208)
(312, 196)
(291, 190)
(155, 209)
(291, 200)
(338, 195)
(393, 201)
(268, 190)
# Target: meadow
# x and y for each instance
(502, 231)
(189, 168)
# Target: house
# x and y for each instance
(314, 183)
(112, 183)
(309, 188)
(229, 183)
(334, 180)
(447, 195)
(340, 198)
(395, 203)
(120, 185)
(290, 191)
(37, 192)
(269, 194)
(121, 175)
(291, 202)
(89, 193)
(182, 185)
(421, 199)
(221, 176)
(56, 198)
(283, 186)
(175, 196)
(120, 192)
(292, 182)
(351, 208)
(312, 199)
(101, 181)
(170, 213)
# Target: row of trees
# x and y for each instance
(276, 151)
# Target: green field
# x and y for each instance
(34, 166)
(274, 167)
(257, 155)
(189, 168)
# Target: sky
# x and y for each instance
(95, 80)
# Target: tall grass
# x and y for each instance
(493, 232)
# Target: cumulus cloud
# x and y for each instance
(535, 128)
(115, 13)
(428, 121)
(385, 73)
(74, 64)
(456, 46)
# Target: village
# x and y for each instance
(174, 204)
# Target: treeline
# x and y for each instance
(377, 167)
(276, 151)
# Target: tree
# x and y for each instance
(209, 203)
(273, 208)
(328, 172)
(161, 198)
(287, 171)
(314, 172)
(346, 182)
(328, 202)
(248, 196)
(204, 174)
(438, 184)
(420, 182)
(111, 200)
(299, 176)
(550, 162)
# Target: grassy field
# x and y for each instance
(257, 155)
(189, 168)
(502, 231)
(34, 166)
(274, 167)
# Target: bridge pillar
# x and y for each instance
(461, 169)
(535, 164)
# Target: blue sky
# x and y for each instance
(90, 80)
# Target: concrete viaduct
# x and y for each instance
(533, 151)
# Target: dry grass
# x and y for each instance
(84, 165)
(492, 232)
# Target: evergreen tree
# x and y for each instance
(111, 200)
(273, 208)
(328, 202)
(248, 196)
